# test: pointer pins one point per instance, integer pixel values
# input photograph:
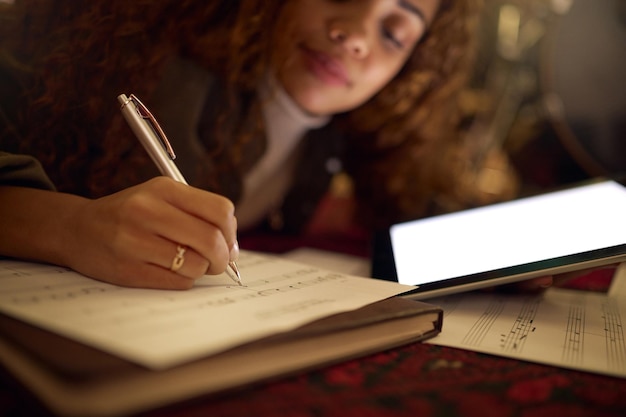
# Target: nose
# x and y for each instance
(351, 36)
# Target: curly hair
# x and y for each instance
(73, 57)
(406, 145)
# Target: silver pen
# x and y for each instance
(153, 139)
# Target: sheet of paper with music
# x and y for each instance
(159, 329)
(568, 328)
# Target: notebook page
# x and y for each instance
(159, 329)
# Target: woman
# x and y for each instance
(264, 101)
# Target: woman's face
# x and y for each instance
(342, 52)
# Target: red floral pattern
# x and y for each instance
(415, 380)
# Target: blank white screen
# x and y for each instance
(513, 233)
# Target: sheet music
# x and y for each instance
(571, 329)
(567, 328)
(159, 329)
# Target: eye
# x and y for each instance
(391, 37)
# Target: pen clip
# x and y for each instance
(145, 114)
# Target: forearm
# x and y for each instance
(37, 224)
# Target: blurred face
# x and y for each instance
(342, 52)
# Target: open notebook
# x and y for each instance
(90, 348)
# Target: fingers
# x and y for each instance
(199, 237)
(159, 234)
(180, 260)
(201, 221)
(214, 214)
(539, 284)
(151, 276)
(536, 284)
(533, 285)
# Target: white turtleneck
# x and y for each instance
(267, 183)
(179, 101)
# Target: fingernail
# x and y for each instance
(234, 252)
(546, 283)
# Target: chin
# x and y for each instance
(311, 104)
(316, 99)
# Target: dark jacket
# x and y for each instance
(23, 171)
(186, 104)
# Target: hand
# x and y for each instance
(131, 238)
(539, 284)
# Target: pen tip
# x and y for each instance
(235, 270)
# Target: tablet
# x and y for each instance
(561, 231)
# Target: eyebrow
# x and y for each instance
(407, 5)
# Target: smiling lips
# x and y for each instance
(326, 68)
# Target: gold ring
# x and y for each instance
(179, 259)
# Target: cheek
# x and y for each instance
(376, 78)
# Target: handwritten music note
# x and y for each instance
(159, 329)
(572, 329)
